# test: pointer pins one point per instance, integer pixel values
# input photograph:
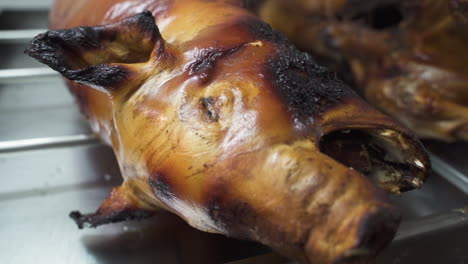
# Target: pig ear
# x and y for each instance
(101, 56)
(121, 205)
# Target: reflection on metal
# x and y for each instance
(19, 36)
(414, 228)
(270, 258)
(25, 74)
(449, 173)
(48, 142)
(25, 4)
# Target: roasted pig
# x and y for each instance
(219, 119)
(408, 58)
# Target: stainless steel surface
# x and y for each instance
(25, 4)
(10, 75)
(455, 154)
(51, 165)
(423, 225)
(15, 36)
(48, 142)
(13, 56)
(450, 173)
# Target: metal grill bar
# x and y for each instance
(25, 4)
(11, 75)
(19, 36)
(48, 142)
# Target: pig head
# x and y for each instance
(237, 132)
(407, 58)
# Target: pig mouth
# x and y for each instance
(389, 158)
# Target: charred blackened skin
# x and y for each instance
(146, 23)
(56, 48)
(161, 186)
(383, 222)
(50, 48)
(205, 62)
(263, 31)
(97, 219)
(307, 88)
(241, 219)
(231, 215)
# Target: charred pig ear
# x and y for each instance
(100, 56)
(121, 205)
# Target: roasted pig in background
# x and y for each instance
(219, 119)
(408, 58)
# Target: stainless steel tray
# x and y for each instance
(51, 165)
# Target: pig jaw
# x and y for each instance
(301, 203)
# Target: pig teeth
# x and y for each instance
(417, 183)
(387, 133)
(418, 164)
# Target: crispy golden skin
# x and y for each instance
(408, 58)
(218, 119)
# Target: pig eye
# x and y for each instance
(381, 17)
(386, 17)
(208, 108)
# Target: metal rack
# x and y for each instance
(50, 164)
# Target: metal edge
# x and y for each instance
(23, 74)
(46, 142)
(450, 173)
(19, 36)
